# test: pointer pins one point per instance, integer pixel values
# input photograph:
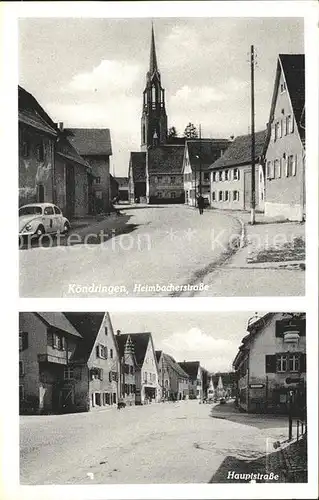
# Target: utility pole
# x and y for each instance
(200, 160)
(253, 184)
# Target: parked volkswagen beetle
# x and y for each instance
(37, 219)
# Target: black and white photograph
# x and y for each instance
(135, 398)
(162, 157)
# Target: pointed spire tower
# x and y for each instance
(154, 118)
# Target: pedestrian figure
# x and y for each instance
(200, 204)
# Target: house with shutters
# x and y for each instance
(97, 360)
(178, 379)
(285, 143)
(195, 382)
(199, 155)
(127, 368)
(271, 363)
(47, 346)
(148, 389)
(230, 175)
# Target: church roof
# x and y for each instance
(153, 59)
(207, 150)
(239, 151)
(166, 159)
(138, 166)
(91, 141)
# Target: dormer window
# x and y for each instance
(282, 87)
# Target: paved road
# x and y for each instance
(158, 443)
(146, 246)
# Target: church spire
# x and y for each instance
(153, 60)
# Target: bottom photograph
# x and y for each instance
(162, 397)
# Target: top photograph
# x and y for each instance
(161, 157)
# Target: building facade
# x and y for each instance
(127, 368)
(195, 383)
(163, 375)
(137, 177)
(271, 364)
(230, 175)
(164, 178)
(199, 154)
(94, 145)
(285, 148)
(179, 379)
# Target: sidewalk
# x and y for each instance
(270, 261)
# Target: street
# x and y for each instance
(145, 251)
(158, 443)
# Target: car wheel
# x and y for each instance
(39, 232)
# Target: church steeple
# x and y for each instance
(154, 119)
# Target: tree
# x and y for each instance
(190, 131)
(172, 132)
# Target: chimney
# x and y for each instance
(118, 332)
(60, 126)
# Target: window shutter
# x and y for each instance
(286, 167)
(25, 340)
(101, 373)
(110, 376)
(292, 123)
(280, 128)
(63, 343)
(294, 165)
(270, 363)
(280, 167)
(105, 352)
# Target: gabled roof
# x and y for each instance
(59, 321)
(190, 367)
(166, 159)
(138, 166)
(122, 181)
(88, 324)
(140, 342)
(239, 151)
(91, 141)
(293, 68)
(68, 151)
(32, 114)
(175, 366)
(203, 152)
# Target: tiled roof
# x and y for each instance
(65, 149)
(207, 150)
(33, 120)
(175, 366)
(31, 113)
(88, 324)
(190, 367)
(60, 321)
(138, 165)
(140, 342)
(91, 141)
(122, 181)
(166, 159)
(293, 66)
(239, 152)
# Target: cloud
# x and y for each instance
(196, 96)
(109, 75)
(195, 345)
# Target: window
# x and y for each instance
(291, 166)
(173, 194)
(159, 194)
(25, 148)
(214, 176)
(23, 341)
(270, 170)
(98, 195)
(39, 152)
(293, 363)
(21, 369)
(96, 373)
(98, 398)
(235, 195)
(282, 363)
(58, 342)
(145, 377)
(97, 180)
(289, 124)
(282, 87)
(48, 211)
(213, 196)
(131, 370)
(111, 353)
(21, 392)
(57, 211)
(101, 351)
(106, 330)
(220, 196)
(236, 174)
(68, 373)
(159, 178)
(277, 131)
(206, 177)
(226, 196)
(226, 175)
(277, 168)
(173, 179)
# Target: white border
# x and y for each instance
(10, 437)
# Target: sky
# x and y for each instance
(92, 72)
(211, 338)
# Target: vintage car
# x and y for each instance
(37, 219)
